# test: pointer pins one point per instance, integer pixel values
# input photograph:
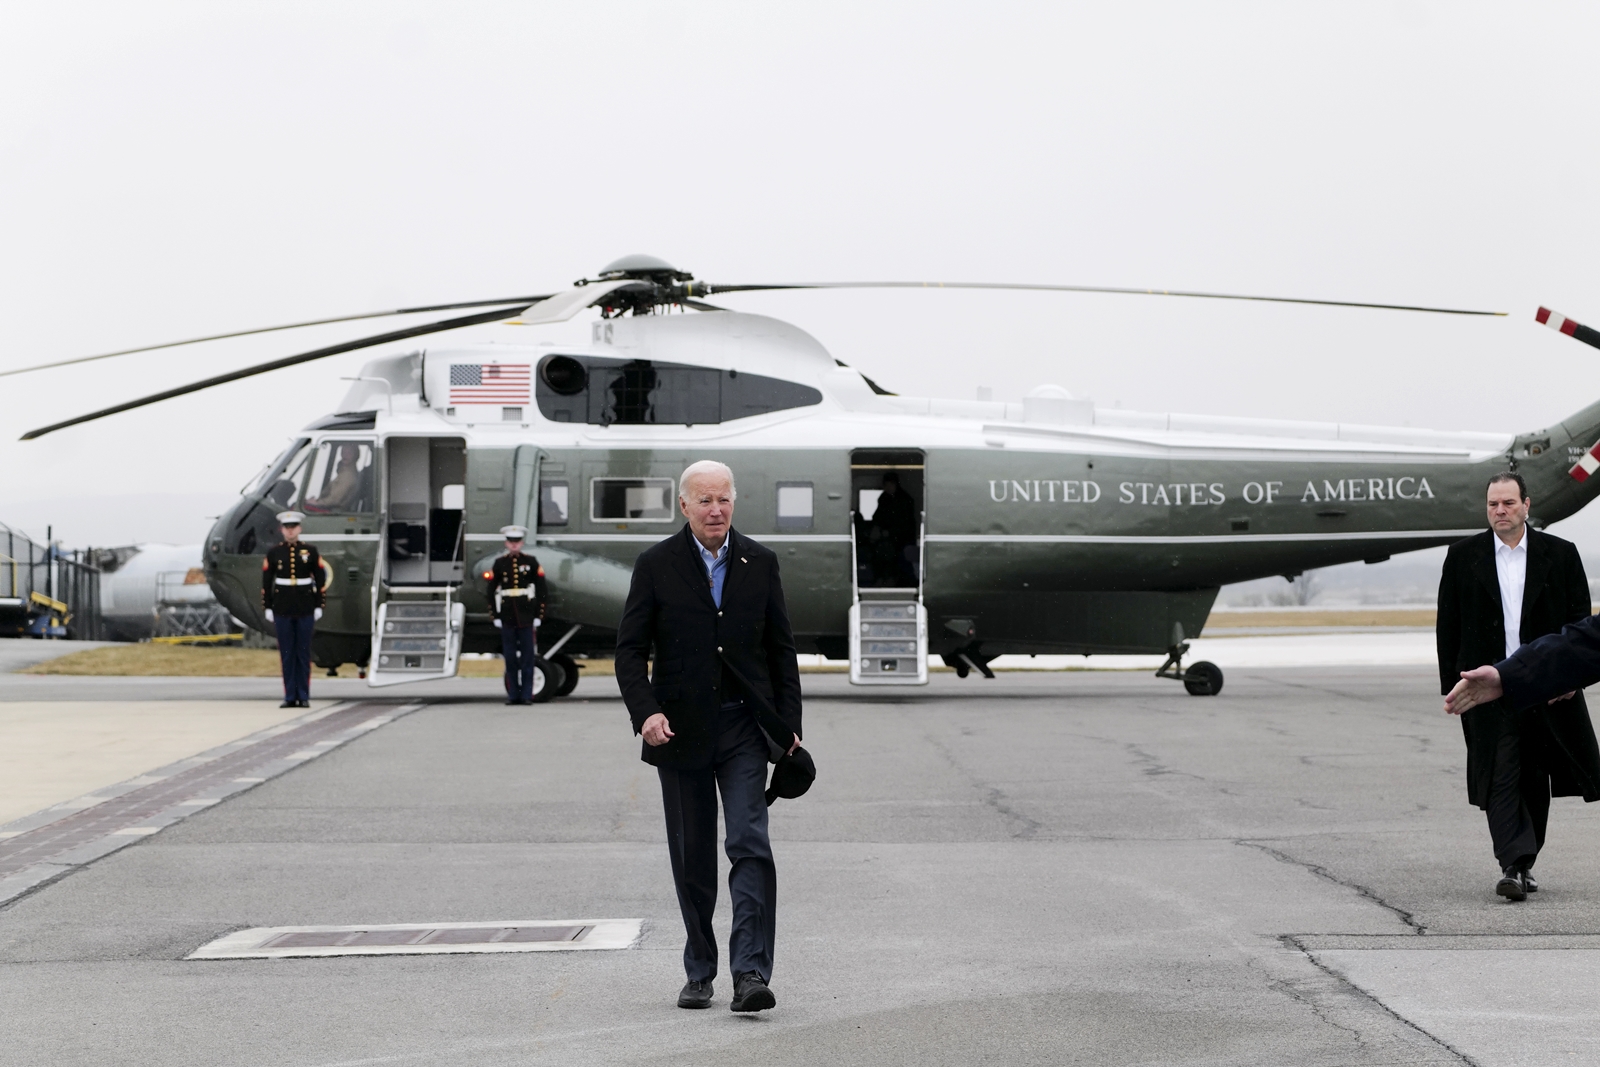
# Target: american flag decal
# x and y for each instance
(490, 383)
(1587, 465)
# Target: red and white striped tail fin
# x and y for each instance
(1587, 465)
(1561, 324)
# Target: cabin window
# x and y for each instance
(794, 505)
(552, 503)
(341, 479)
(603, 392)
(631, 499)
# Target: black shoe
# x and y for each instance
(1527, 881)
(750, 993)
(289, 704)
(305, 703)
(1512, 885)
(695, 995)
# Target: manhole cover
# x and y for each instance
(279, 942)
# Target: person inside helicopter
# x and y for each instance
(893, 535)
(349, 480)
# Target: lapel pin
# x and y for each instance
(743, 560)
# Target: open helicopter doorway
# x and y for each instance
(888, 622)
(417, 620)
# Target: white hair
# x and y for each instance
(702, 468)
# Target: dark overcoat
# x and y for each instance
(671, 618)
(1471, 633)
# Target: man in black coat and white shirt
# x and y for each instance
(1502, 588)
(706, 604)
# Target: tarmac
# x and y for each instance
(1046, 868)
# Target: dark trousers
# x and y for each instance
(516, 644)
(1519, 796)
(739, 770)
(294, 653)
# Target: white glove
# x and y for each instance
(316, 614)
(497, 624)
(269, 614)
(536, 623)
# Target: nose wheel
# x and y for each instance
(1202, 679)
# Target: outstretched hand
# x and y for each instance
(1477, 686)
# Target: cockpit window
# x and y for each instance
(270, 472)
(281, 490)
(601, 392)
(341, 480)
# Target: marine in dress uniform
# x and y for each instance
(292, 591)
(517, 592)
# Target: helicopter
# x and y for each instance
(908, 526)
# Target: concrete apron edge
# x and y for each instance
(1300, 943)
(21, 883)
(1311, 944)
(54, 812)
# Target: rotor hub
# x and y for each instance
(657, 283)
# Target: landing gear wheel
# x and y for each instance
(569, 670)
(1203, 679)
(548, 678)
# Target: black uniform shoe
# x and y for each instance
(695, 995)
(289, 704)
(1511, 885)
(750, 993)
(305, 703)
(1527, 881)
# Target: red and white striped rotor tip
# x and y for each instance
(1556, 321)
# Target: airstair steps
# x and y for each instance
(888, 642)
(414, 640)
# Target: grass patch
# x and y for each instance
(183, 661)
(166, 661)
(1324, 617)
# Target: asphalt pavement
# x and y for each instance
(1047, 868)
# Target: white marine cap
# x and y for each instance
(514, 533)
(290, 518)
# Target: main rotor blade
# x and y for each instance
(524, 300)
(562, 306)
(286, 361)
(718, 289)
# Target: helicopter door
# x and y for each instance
(418, 621)
(888, 622)
(426, 504)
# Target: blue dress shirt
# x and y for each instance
(716, 568)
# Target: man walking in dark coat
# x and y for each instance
(1507, 586)
(707, 606)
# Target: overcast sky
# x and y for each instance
(168, 170)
